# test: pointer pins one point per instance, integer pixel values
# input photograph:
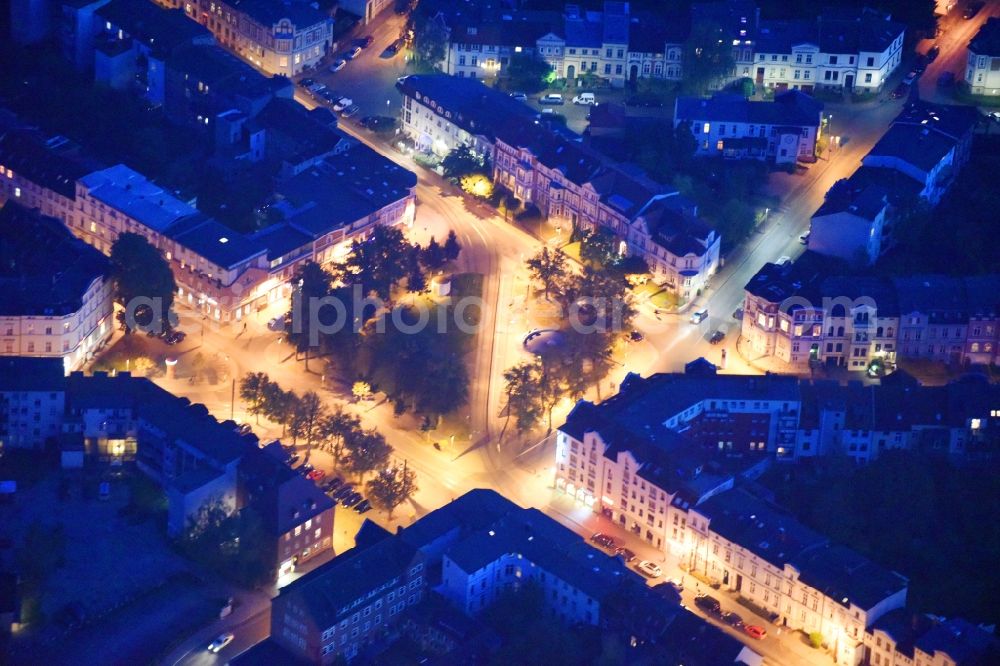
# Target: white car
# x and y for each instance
(220, 642)
(338, 65)
(782, 260)
(650, 569)
(342, 103)
(353, 53)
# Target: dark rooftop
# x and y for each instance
(22, 373)
(965, 643)
(987, 40)
(162, 30)
(922, 147)
(789, 108)
(44, 269)
(268, 12)
(847, 577)
(43, 161)
(214, 241)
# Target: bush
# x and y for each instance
(816, 639)
(529, 214)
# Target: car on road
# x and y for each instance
(585, 99)
(316, 475)
(344, 491)
(519, 96)
(708, 604)
(338, 65)
(351, 499)
(994, 116)
(718, 336)
(804, 238)
(783, 259)
(738, 313)
(635, 336)
(276, 324)
(365, 42)
(220, 642)
(378, 123)
(551, 98)
(244, 429)
(342, 103)
(910, 77)
(351, 111)
(173, 337)
(972, 9)
(624, 553)
(933, 52)
(353, 53)
(332, 484)
(305, 469)
(699, 316)
(732, 619)
(391, 50)
(753, 631)
(316, 90)
(307, 82)
(292, 458)
(900, 91)
(363, 506)
(604, 540)
(329, 96)
(650, 569)
(946, 79)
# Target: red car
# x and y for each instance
(316, 475)
(753, 631)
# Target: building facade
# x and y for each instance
(32, 401)
(982, 70)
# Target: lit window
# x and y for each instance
(705, 128)
(17, 191)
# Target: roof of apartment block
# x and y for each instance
(847, 577)
(987, 40)
(23, 373)
(792, 107)
(209, 238)
(43, 161)
(299, 133)
(650, 33)
(904, 627)
(965, 643)
(762, 528)
(44, 269)
(289, 500)
(281, 239)
(268, 12)
(940, 296)
(222, 71)
(920, 146)
(328, 591)
(900, 188)
(865, 201)
(688, 639)
(160, 29)
(518, 29)
(475, 509)
(127, 190)
(851, 30)
(952, 120)
(803, 277)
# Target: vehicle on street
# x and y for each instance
(753, 631)
(932, 53)
(351, 500)
(920, 65)
(972, 9)
(316, 475)
(351, 111)
(585, 99)
(305, 469)
(244, 429)
(329, 96)
(783, 259)
(624, 553)
(276, 324)
(307, 82)
(900, 91)
(718, 336)
(338, 65)
(378, 123)
(519, 96)
(738, 313)
(994, 116)
(292, 458)
(366, 41)
(708, 604)
(344, 491)
(635, 336)
(699, 316)
(317, 90)
(353, 53)
(363, 506)
(551, 98)
(391, 50)
(804, 238)
(221, 642)
(732, 619)
(603, 540)
(342, 103)
(332, 484)
(173, 337)
(650, 569)
(946, 80)
(910, 77)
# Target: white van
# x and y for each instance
(699, 316)
(586, 99)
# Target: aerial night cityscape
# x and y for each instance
(500, 332)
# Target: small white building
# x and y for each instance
(982, 72)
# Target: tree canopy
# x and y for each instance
(142, 275)
(708, 56)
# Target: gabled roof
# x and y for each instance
(43, 161)
(865, 201)
(792, 107)
(300, 134)
(965, 643)
(475, 509)
(269, 12)
(129, 191)
(919, 146)
(987, 40)
(162, 30)
(847, 577)
(44, 269)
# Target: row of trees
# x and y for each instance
(596, 310)
(356, 450)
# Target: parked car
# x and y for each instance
(317, 90)
(307, 82)
(972, 9)
(173, 337)
(753, 631)
(342, 103)
(519, 96)
(316, 475)
(804, 238)
(276, 324)
(650, 569)
(344, 491)
(732, 619)
(221, 642)
(332, 484)
(378, 123)
(635, 336)
(306, 469)
(910, 77)
(585, 99)
(353, 53)
(363, 506)
(292, 458)
(946, 80)
(699, 316)
(350, 111)
(338, 65)
(366, 41)
(900, 91)
(994, 116)
(624, 553)
(244, 429)
(718, 336)
(738, 313)
(932, 53)
(551, 98)
(783, 259)
(708, 604)
(604, 541)
(351, 500)
(391, 50)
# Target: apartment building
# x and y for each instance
(852, 223)
(753, 548)
(278, 38)
(76, 25)
(851, 49)
(56, 293)
(32, 401)
(902, 638)
(982, 70)
(785, 130)
(366, 9)
(806, 314)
